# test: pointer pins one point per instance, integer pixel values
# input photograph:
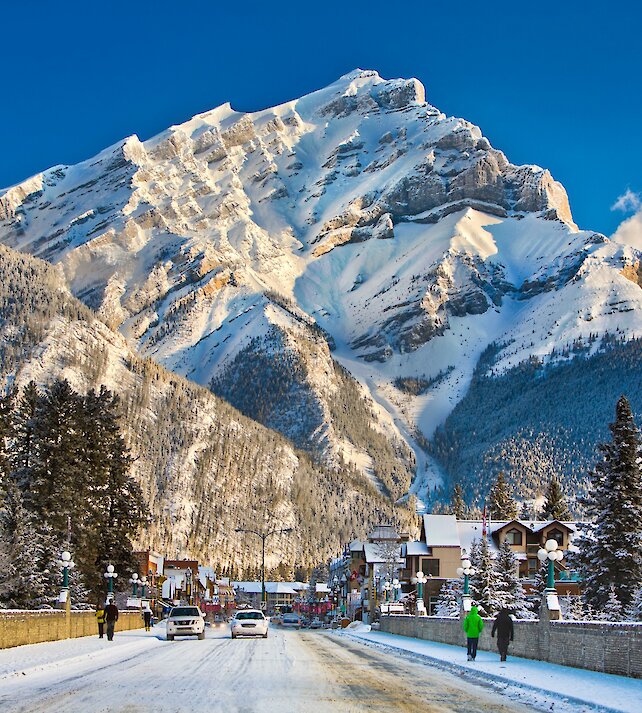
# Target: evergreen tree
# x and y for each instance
(484, 583)
(6, 431)
(612, 610)
(501, 501)
(555, 507)
(458, 504)
(634, 610)
(611, 553)
(22, 581)
(22, 454)
(541, 578)
(510, 593)
(449, 599)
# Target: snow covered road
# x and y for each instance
(294, 671)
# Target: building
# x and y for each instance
(280, 595)
(444, 541)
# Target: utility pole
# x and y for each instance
(264, 534)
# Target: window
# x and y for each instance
(556, 535)
(249, 615)
(430, 567)
(514, 537)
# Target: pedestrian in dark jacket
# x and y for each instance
(473, 626)
(147, 617)
(100, 618)
(503, 625)
(111, 617)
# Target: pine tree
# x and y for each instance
(611, 553)
(449, 599)
(555, 507)
(23, 583)
(458, 504)
(22, 454)
(634, 610)
(501, 501)
(484, 584)
(6, 432)
(541, 579)
(612, 610)
(510, 593)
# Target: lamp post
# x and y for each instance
(344, 581)
(335, 595)
(263, 535)
(387, 588)
(143, 584)
(134, 582)
(420, 578)
(467, 570)
(66, 563)
(109, 576)
(396, 587)
(550, 553)
(188, 585)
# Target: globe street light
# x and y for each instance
(421, 579)
(109, 576)
(134, 582)
(66, 563)
(550, 553)
(396, 586)
(143, 583)
(387, 588)
(467, 570)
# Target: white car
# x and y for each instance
(249, 622)
(185, 621)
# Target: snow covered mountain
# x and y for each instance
(251, 252)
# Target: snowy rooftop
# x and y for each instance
(373, 554)
(441, 531)
(270, 587)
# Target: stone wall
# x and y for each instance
(33, 627)
(598, 646)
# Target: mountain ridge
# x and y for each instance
(402, 235)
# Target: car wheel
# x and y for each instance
(265, 635)
(234, 636)
(170, 637)
(201, 636)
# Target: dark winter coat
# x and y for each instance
(503, 626)
(111, 612)
(473, 624)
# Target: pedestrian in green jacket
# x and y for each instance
(473, 626)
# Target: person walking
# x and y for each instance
(111, 617)
(100, 618)
(147, 616)
(473, 625)
(503, 626)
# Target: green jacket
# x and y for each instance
(473, 624)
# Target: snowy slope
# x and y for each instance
(401, 232)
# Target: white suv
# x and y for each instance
(249, 622)
(185, 621)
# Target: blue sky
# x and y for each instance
(557, 84)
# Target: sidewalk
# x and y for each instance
(523, 678)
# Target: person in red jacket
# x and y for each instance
(473, 625)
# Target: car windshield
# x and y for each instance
(249, 615)
(290, 617)
(184, 611)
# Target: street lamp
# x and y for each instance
(344, 594)
(134, 582)
(467, 570)
(264, 534)
(143, 583)
(109, 576)
(387, 588)
(66, 563)
(396, 586)
(420, 579)
(550, 553)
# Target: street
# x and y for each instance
(290, 671)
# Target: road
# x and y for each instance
(290, 672)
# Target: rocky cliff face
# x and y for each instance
(399, 236)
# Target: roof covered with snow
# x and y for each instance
(441, 531)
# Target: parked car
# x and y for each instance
(291, 621)
(249, 622)
(316, 623)
(185, 621)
